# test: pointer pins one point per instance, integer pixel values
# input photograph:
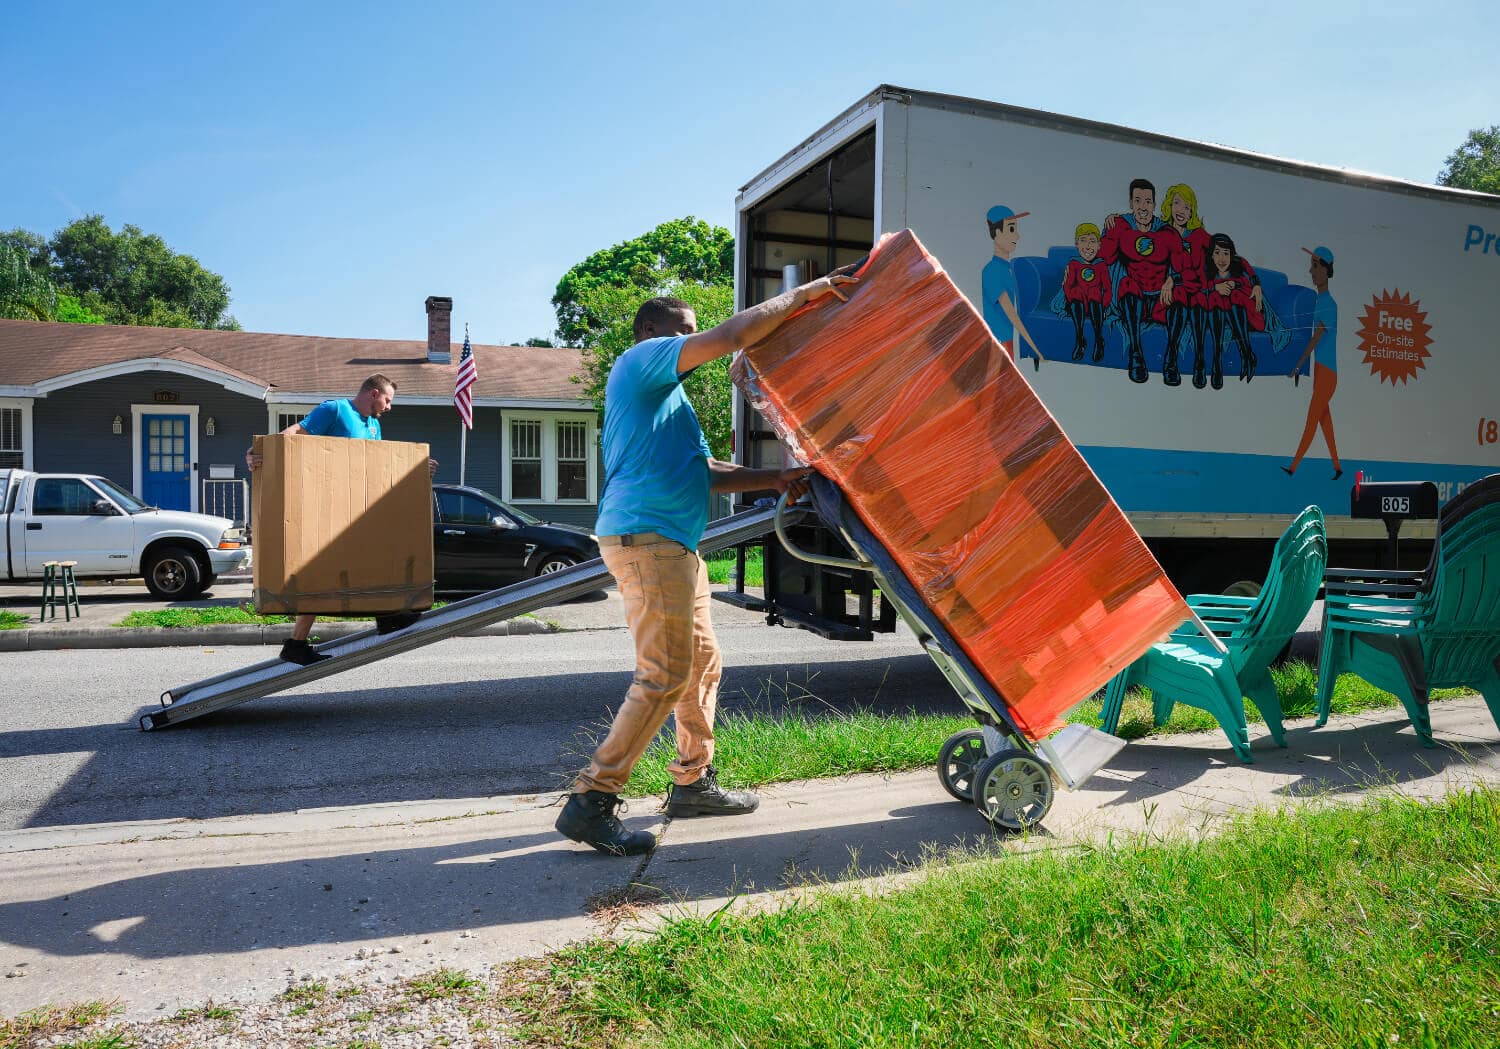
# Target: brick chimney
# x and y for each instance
(439, 329)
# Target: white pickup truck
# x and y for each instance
(110, 533)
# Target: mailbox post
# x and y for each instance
(1394, 502)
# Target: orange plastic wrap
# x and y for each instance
(902, 397)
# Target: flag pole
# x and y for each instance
(463, 401)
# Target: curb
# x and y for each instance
(229, 634)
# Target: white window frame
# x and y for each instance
(136, 466)
(28, 442)
(275, 408)
(549, 421)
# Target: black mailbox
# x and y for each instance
(1394, 502)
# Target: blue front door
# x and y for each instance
(167, 461)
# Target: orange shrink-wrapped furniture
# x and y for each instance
(903, 398)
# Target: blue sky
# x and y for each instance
(339, 162)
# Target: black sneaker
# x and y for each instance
(707, 798)
(301, 652)
(590, 818)
(395, 621)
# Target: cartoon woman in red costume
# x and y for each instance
(1179, 210)
(1231, 297)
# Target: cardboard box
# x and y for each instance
(340, 526)
(902, 397)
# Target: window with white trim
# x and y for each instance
(572, 461)
(284, 415)
(12, 440)
(550, 457)
(526, 459)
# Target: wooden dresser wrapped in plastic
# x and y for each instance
(902, 398)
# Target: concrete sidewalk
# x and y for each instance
(166, 915)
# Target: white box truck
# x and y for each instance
(1228, 337)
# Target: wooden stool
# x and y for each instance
(55, 573)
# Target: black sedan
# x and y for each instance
(481, 543)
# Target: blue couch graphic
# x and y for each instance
(1039, 280)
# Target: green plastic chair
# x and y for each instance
(1408, 633)
(1187, 668)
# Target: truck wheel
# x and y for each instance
(173, 574)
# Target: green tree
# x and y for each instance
(539, 343)
(71, 311)
(1476, 163)
(32, 245)
(132, 277)
(687, 250)
(613, 307)
(25, 291)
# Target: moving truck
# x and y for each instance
(1193, 315)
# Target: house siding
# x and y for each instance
(72, 426)
(72, 434)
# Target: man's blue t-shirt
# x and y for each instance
(999, 277)
(655, 457)
(341, 419)
(1325, 310)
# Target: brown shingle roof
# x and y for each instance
(33, 352)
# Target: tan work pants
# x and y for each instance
(677, 663)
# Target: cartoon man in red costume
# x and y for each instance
(1086, 289)
(1145, 250)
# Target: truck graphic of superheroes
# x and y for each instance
(1162, 294)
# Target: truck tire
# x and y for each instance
(173, 574)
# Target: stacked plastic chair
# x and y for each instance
(1187, 668)
(1411, 632)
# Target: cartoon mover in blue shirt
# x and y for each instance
(1322, 348)
(357, 417)
(998, 284)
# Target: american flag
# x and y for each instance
(468, 374)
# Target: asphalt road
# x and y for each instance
(467, 717)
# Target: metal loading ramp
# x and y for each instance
(226, 690)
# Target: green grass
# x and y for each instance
(31, 1027)
(757, 748)
(219, 614)
(1365, 926)
(308, 993)
(108, 1040)
(444, 983)
(13, 620)
(721, 564)
(204, 1012)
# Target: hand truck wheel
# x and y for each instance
(961, 754)
(1013, 789)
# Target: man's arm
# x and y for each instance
(1015, 319)
(728, 477)
(253, 461)
(1312, 345)
(748, 327)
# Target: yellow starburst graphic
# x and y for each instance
(1395, 336)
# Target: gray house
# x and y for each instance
(169, 412)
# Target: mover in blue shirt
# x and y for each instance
(658, 474)
(356, 417)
